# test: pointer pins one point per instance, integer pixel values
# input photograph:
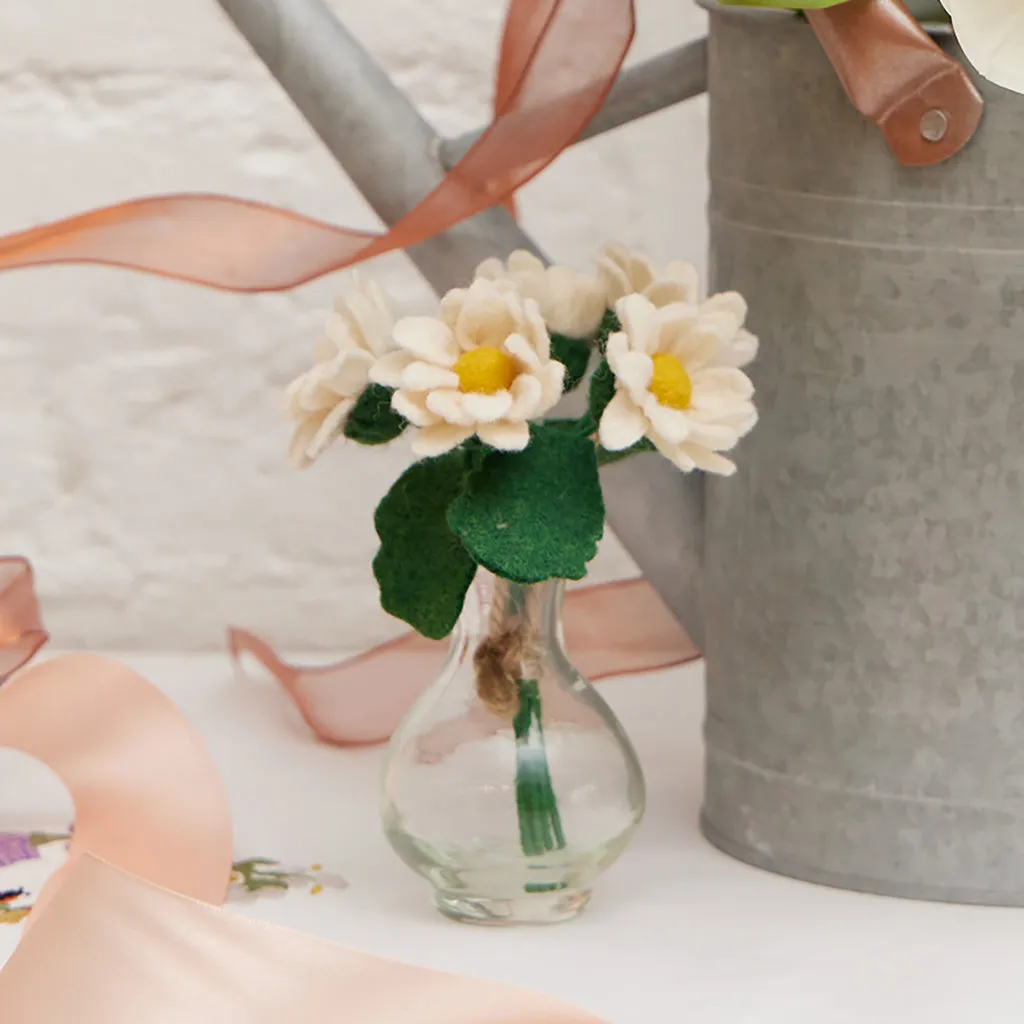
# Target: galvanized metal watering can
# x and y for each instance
(857, 587)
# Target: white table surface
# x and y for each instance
(677, 931)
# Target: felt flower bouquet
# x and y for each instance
(504, 482)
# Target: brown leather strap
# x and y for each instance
(894, 73)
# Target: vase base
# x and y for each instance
(532, 908)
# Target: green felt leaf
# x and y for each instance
(602, 390)
(422, 568)
(534, 515)
(610, 323)
(372, 420)
(574, 355)
(606, 457)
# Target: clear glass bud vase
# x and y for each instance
(511, 785)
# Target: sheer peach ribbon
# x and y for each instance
(559, 58)
(21, 626)
(128, 931)
(610, 629)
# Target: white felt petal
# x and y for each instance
(516, 345)
(574, 303)
(552, 382)
(640, 270)
(301, 397)
(339, 332)
(324, 350)
(639, 319)
(634, 370)
(489, 314)
(312, 391)
(486, 408)
(301, 437)
(451, 306)
(536, 333)
(622, 423)
(504, 435)
(613, 280)
(421, 376)
(351, 373)
(412, 405)
(616, 346)
(731, 303)
(526, 397)
(695, 348)
(522, 263)
(293, 399)
(427, 338)
(991, 33)
(448, 404)
(685, 275)
(675, 320)
(439, 439)
(720, 325)
(739, 352)
(491, 268)
(709, 461)
(366, 311)
(388, 370)
(665, 293)
(672, 424)
(329, 428)
(725, 379)
(674, 453)
(616, 253)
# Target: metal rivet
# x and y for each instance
(934, 125)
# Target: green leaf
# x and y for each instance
(610, 323)
(372, 420)
(574, 355)
(602, 390)
(606, 457)
(422, 568)
(534, 515)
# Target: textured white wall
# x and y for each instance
(141, 447)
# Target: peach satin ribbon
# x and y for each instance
(127, 932)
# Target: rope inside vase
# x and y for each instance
(509, 652)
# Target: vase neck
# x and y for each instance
(534, 607)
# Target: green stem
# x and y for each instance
(540, 823)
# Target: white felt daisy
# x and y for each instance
(726, 313)
(991, 33)
(482, 367)
(571, 302)
(357, 334)
(625, 271)
(671, 387)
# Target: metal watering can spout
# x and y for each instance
(658, 514)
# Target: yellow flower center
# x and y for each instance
(671, 384)
(485, 370)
